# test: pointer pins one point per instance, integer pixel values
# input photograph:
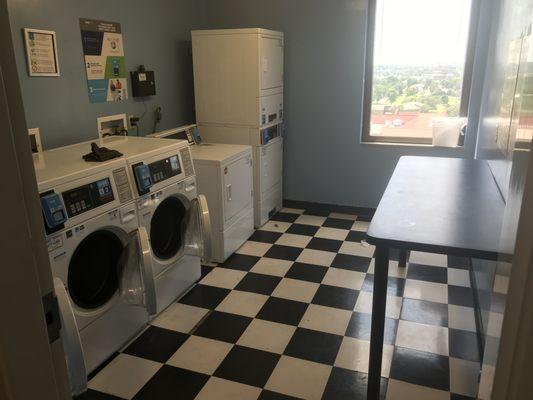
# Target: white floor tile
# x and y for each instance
(344, 278)
(222, 389)
(295, 289)
(399, 390)
(326, 319)
(200, 354)
(299, 378)
(464, 377)
(242, 303)
(271, 266)
(349, 217)
(494, 326)
(289, 239)
(501, 284)
(251, 248)
(394, 270)
(458, 277)
(124, 376)
(268, 336)
(460, 317)
(310, 220)
(422, 290)
(357, 249)
(316, 257)
(289, 210)
(276, 226)
(392, 309)
(419, 257)
(332, 233)
(223, 278)
(361, 226)
(428, 338)
(180, 317)
(354, 355)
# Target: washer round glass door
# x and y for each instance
(165, 228)
(92, 271)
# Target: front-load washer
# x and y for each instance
(175, 217)
(100, 257)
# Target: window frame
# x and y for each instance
(366, 137)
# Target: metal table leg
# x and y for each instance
(378, 321)
(403, 258)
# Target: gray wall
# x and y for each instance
(156, 34)
(324, 59)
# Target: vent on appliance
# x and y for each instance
(187, 161)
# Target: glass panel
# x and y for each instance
(165, 228)
(92, 272)
(192, 231)
(419, 58)
(131, 283)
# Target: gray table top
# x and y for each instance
(440, 205)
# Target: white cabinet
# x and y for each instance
(224, 176)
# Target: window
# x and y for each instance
(418, 67)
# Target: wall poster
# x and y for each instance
(41, 52)
(103, 50)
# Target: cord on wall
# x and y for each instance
(158, 117)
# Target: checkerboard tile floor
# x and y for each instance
(288, 316)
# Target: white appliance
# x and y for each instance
(99, 256)
(175, 217)
(238, 83)
(224, 175)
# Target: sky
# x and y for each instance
(421, 32)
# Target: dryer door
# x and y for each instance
(136, 274)
(197, 229)
(70, 337)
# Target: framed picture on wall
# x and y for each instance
(41, 52)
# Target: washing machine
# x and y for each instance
(169, 208)
(100, 258)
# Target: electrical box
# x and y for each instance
(142, 83)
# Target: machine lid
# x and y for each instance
(92, 271)
(166, 237)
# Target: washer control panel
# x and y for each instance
(87, 197)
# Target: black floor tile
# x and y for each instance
(170, 382)
(319, 211)
(249, 366)
(205, 270)
(427, 273)
(258, 283)
(463, 345)
(314, 346)
(284, 311)
(498, 301)
(421, 368)
(265, 236)
(455, 396)
(301, 229)
(223, 326)
(395, 286)
(307, 272)
(364, 218)
(325, 244)
(425, 312)
(285, 217)
(241, 262)
(458, 262)
(353, 263)
(344, 384)
(460, 296)
(284, 252)
(356, 236)
(336, 297)
(156, 344)
(360, 327)
(268, 395)
(338, 223)
(95, 395)
(205, 296)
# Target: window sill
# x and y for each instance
(398, 144)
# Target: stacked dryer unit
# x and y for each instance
(100, 257)
(174, 216)
(238, 83)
